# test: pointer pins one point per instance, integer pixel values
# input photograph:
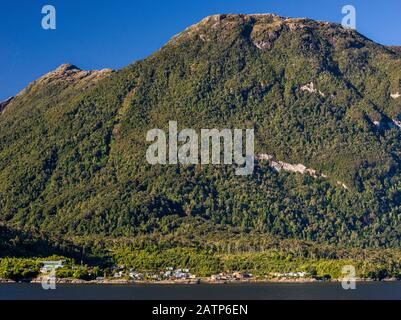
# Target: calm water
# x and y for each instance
(326, 291)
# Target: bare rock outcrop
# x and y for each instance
(72, 73)
(68, 73)
(295, 168)
(4, 104)
(310, 87)
(283, 166)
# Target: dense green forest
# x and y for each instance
(74, 174)
(221, 250)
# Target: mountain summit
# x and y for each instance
(261, 28)
(324, 102)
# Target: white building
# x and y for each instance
(49, 266)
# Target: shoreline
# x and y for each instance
(198, 281)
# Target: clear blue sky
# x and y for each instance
(95, 34)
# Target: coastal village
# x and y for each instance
(123, 274)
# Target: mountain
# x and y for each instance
(324, 102)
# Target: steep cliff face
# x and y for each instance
(73, 144)
(4, 104)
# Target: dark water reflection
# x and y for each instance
(279, 291)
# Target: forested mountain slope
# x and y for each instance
(73, 144)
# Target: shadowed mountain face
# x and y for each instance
(72, 145)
